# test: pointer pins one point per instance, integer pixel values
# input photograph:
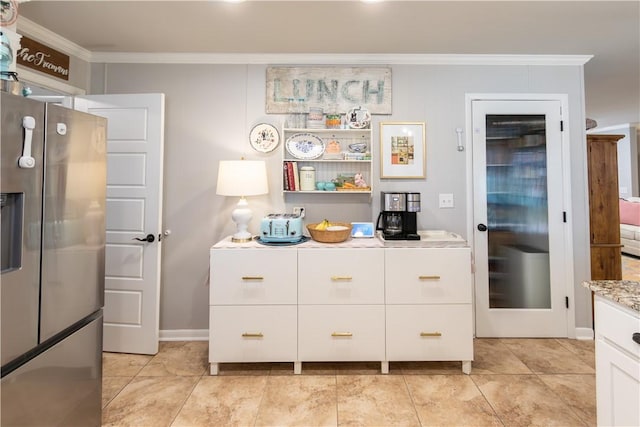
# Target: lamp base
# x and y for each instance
(241, 215)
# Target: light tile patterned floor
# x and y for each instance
(514, 382)
(630, 268)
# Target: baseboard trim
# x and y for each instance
(184, 335)
(584, 334)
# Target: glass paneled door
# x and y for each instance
(519, 219)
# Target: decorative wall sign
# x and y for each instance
(402, 150)
(332, 88)
(39, 57)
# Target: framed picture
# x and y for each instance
(402, 150)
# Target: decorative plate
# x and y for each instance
(8, 12)
(358, 118)
(264, 137)
(305, 146)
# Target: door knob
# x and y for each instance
(150, 238)
(482, 227)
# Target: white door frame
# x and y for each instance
(566, 181)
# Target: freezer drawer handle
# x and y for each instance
(26, 161)
(150, 238)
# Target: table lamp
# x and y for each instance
(242, 178)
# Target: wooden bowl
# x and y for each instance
(330, 236)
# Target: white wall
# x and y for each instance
(210, 110)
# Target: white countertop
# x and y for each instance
(429, 239)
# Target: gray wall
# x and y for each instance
(210, 110)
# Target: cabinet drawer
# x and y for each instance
(252, 334)
(429, 332)
(341, 276)
(439, 275)
(341, 333)
(253, 276)
(617, 325)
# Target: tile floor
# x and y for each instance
(630, 268)
(514, 382)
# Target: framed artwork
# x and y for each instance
(402, 150)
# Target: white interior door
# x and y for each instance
(135, 136)
(519, 222)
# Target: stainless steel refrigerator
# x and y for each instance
(53, 188)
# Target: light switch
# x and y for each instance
(446, 200)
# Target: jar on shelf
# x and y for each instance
(307, 178)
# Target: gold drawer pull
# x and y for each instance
(429, 277)
(252, 335)
(342, 334)
(430, 334)
(341, 278)
(252, 278)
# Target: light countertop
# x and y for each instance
(430, 239)
(624, 292)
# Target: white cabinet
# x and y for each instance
(310, 303)
(329, 166)
(429, 305)
(341, 305)
(617, 364)
(252, 306)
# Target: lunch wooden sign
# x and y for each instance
(39, 57)
(340, 88)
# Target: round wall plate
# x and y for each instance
(264, 137)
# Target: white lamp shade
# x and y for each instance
(242, 178)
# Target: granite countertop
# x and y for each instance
(624, 292)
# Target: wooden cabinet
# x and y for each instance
(311, 303)
(617, 364)
(604, 214)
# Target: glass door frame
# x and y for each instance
(563, 243)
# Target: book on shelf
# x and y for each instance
(285, 176)
(290, 177)
(296, 176)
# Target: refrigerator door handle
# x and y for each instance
(26, 161)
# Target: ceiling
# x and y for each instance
(608, 30)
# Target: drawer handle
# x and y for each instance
(252, 278)
(342, 334)
(636, 337)
(429, 277)
(252, 335)
(430, 334)
(341, 278)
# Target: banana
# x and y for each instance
(323, 225)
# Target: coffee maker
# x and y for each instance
(397, 219)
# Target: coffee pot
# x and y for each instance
(397, 219)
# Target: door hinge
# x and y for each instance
(564, 216)
(561, 125)
(566, 301)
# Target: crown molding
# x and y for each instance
(51, 39)
(58, 42)
(318, 59)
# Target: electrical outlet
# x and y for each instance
(299, 210)
(446, 201)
